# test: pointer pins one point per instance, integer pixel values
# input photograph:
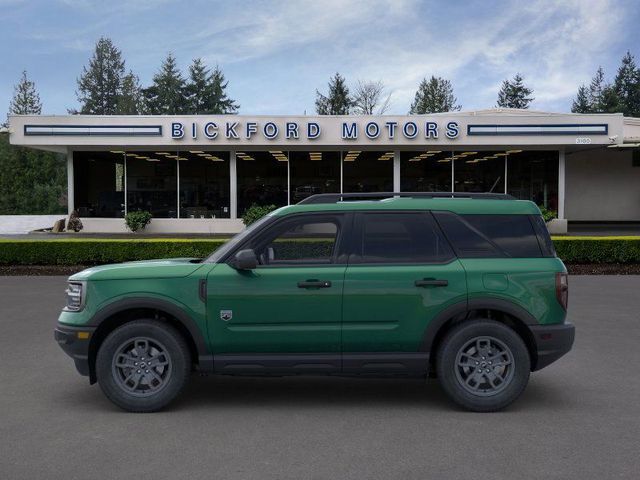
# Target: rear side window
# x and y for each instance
(401, 238)
(486, 236)
(544, 239)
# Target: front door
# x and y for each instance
(401, 274)
(287, 312)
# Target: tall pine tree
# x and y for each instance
(206, 91)
(100, 84)
(434, 95)
(581, 104)
(514, 93)
(26, 100)
(167, 95)
(130, 100)
(627, 86)
(337, 101)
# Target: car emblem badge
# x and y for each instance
(226, 315)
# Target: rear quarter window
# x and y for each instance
(490, 236)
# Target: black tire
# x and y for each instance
(475, 373)
(139, 383)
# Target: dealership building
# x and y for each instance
(200, 173)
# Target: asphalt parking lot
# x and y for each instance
(579, 418)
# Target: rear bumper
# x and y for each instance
(75, 343)
(552, 342)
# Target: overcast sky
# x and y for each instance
(276, 53)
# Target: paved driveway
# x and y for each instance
(580, 418)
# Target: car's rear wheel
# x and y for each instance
(143, 365)
(483, 365)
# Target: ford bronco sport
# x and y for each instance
(464, 287)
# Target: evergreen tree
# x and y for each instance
(627, 86)
(581, 103)
(100, 84)
(596, 89)
(222, 103)
(130, 100)
(26, 100)
(337, 101)
(514, 93)
(434, 95)
(166, 96)
(206, 92)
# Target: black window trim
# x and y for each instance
(355, 259)
(339, 256)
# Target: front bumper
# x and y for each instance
(552, 342)
(75, 343)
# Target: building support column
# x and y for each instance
(233, 186)
(560, 224)
(396, 170)
(561, 183)
(70, 193)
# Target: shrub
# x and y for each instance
(74, 222)
(547, 214)
(256, 212)
(137, 220)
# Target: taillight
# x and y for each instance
(562, 289)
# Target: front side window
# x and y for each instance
(401, 238)
(304, 241)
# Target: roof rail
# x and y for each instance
(339, 197)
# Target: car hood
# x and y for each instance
(166, 268)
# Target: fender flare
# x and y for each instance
(205, 359)
(465, 307)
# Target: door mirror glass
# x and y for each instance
(245, 260)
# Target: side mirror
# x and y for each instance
(245, 260)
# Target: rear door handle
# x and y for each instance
(431, 282)
(314, 284)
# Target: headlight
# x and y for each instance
(75, 296)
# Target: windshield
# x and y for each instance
(236, 240)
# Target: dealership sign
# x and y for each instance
(348, 130)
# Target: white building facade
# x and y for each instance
(199, 174)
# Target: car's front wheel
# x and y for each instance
(483, 365)
(143, 365)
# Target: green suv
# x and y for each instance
(465, 287)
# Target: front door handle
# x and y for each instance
(431, 282)
(314, 284)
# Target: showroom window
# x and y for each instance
(365, 171)
(533, 175)
(204, 184)
(263, 179)
(312, 173)
(425, 171)
(99, 184)
(152, 183)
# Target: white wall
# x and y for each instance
(12, 224)
(602, 185)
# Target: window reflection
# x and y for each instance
(533, 175)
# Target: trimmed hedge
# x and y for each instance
(598, 249)
(96, 252)
(100, 251)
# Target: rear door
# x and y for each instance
(401, 274)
